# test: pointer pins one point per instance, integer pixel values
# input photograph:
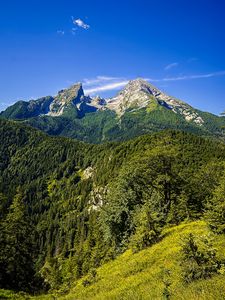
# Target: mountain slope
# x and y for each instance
(138, 109)
(88, 203)
(143, 275)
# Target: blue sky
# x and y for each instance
(178, 45)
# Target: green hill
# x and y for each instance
(70, 209)
(143, 275)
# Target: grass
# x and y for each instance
(142, 275)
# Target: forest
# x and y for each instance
(68, 207)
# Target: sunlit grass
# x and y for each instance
(142, 275)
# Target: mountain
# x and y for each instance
(138, 109)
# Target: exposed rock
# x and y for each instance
(87, 173)
(66, 98)
(97, 197)
(72, 102)
(139, 93)
(136, 94)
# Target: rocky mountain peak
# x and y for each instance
(71, 102)
(138, 85)
(136, 94)
(65, 98)
(139, 93)
(72, 93)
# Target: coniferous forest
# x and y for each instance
(112, 150)
(70, 209)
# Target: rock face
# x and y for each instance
(139, 94)
(72, 102)
(179, 107)
(136, 94)
(139, 108)
(66, 99)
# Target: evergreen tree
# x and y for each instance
(215, 212)
(147, 229)
(199, 258)
(17, 248)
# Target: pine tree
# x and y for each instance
(17, 248)
(199, 258)
(215, 213)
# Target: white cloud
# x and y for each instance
(107, 83)
(100, 80)
(106, 87)
(103, 83)
(187, 77)
(80, 23)
(170, 66)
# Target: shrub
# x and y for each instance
(198, 258)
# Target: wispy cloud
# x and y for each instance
(107, 83)
(73, 31)
(60, 32)
(170, 66)
(100, 80)
(198, 76)
(80, 23)
(106, 87)
(187, 77)
(103, 83)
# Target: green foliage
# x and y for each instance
(148, 193)
(215, 209)
(8, 294)
(17, 248)
(148, 228)
(51, 272)
(166, 275)
(88, 203)
(105, 125)
(23, 109)
(198, 258)
(153, 272)
(90, 278)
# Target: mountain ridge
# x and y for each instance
(138, 108)
(137, 93)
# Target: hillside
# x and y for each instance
(138, 109)
(81, 205)
(143, 275)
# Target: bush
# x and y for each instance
(198, 258)
(90, 278)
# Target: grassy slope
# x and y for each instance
(140, 276)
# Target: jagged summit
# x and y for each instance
(66, 99)
(140, 84)
(137, 94)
